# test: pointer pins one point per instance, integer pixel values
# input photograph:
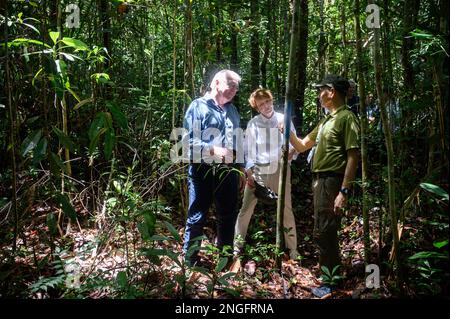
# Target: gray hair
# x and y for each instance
(223, 74)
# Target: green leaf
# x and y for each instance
(326, 271)
(51, 223)
(76, 44)
(81, 103)
(40, 151)
(94, 142)
(440, 244)
(56, 162)
(420, 34)
(147, 228)
(31, 27)
(96, 125)
(72, 92)
(428, 254)
(30, 142)
(100, 77)
(110, 142)
(223, 279)
(121, 279)
(435, 190)
(54, 36)
(173, 231)
(221, 264)
(117, 186)
(64, 139)
(118, 116)
(335, 268)
(142, 227)
(67, 208)
(232, 292)
(150, 221)
(202, 270)
(155, 252)
(36, 75)
(108, 120)
(21, 41)
(158, 238)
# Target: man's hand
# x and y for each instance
(291, 154)
(339, 203)
(218, 151)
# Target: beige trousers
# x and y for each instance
(248, 206)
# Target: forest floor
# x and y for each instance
(113, 264)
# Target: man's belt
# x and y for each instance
(327, 174)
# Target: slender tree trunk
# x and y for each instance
(274, 32)
(218, 27)
(106, 29)
(344, 40)
(363, 116)
(290, 96)
(12, 137)
(234, 40)
(174, 65)
(255, 78)
(64, 116)
(321, 49)
(389, 149)
(284, 44)
(189, 64)
(265, 58)
(322, 46)
(440, 91)
(301, 62)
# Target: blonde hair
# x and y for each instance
(259, 94)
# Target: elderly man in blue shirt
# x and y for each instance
(216, 171)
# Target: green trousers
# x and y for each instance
(326, 222)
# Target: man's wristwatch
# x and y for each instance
(345, 191)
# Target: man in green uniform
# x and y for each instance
(334, 155)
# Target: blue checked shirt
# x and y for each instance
(208, 125)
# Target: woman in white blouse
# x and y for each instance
(263, 156)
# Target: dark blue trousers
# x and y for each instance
(208, 184)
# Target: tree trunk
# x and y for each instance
(274, 32)
(255, 79)
(12, 124)
(218, 27)
(234, 40)
(301, 58)
(344, 40)
(389, 149)
(106, 29)
(322, 46)
(265, 58)
(174, 65)
(290, 95)
(362, 100)
(189, 58)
